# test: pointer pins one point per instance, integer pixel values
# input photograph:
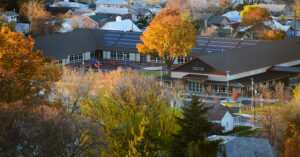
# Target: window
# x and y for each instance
(60, 62)
(293, 81)
(113, 55)
(94, 55)
(120, 55)
(76, 58)
(72, 58)
(193, 86)
(156, 59)
(182, 60)
(143, 58)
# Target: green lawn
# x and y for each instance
(249, 132)
(231, 104)
(237, 129)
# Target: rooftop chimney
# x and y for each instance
(118, 18)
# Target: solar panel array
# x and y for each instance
(110, 38)
(204, 44)
(245, 43)
(221, 44)
(129, 40)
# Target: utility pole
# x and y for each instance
(227, 89)
(294, 23)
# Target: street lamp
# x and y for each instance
(161, 75)
(82, 67)
(227, 89)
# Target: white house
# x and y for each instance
(10, 16)
(121, 25)
(223, 117)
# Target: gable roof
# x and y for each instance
(233, 16)
(123, 25)
(9, 13)
(59, 46)
(58, 10)
(261, 55)
(217, 19)
(205, 16)
(243, 146)
(217, 114)
(99, 17)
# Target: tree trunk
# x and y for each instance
(169, 63)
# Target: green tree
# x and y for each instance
(195, 125)
(134, 113)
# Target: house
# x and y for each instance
(205, 17)
(10, 16)
(59, 10)
(83, 21)
(121, 25)
(70, 5)
(219, 21)
(222, 117)
(248, 147)
(100, 19)
(274, 9)
(140, 14)
(204, 69)
(22, 28)
(234, 18)
(295, 28)
(261, 61)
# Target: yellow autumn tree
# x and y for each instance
(253, 15)
(274, 34)
(24, 74)
(168, 37)
(292, 144)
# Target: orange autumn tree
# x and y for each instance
(253, 15)
(274, 34)
(24, 74)
(168, 36)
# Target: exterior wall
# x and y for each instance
(132, 56)
(138, 57)
(210, 77)
(148, 58)
(87, 56)
(227, 122)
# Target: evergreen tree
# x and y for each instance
(194, 127)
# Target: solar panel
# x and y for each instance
(129, 40)
(110, 38)
(245, 43)
(221, 44)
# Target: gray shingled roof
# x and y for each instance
(216, 19)
(248, 147)
(99, 17)
(59, 46)
(9, 13)
(262, 55)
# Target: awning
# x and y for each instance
(285, 69)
